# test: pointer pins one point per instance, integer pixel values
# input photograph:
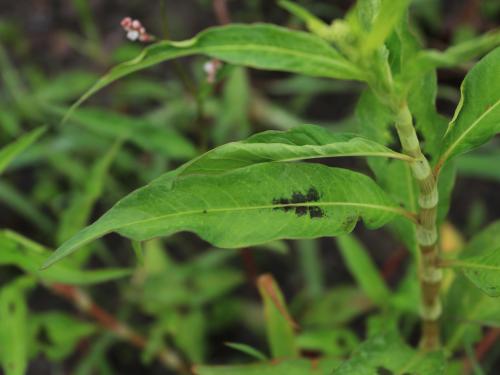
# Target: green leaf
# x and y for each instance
(233, 120)
(445, 190)
(281, 200)
(258, 46)
(303, 142)
(337, 307)
(28, 255)
(247, 349)
(18, 202)
(62, 333)
(373, 118)
(465, 311)
(422, 103)
(65, 86)
(204, 279)
(190, 332)
(477, 117)
(388, 354)
(286, 367)
(309, 255)
(337, 342)
(458, 54)
(385, 21)
(480, 260)
(363, 269)
(9, 152)
(161, 140)
(313, 23)
(77, 214)
(279, 324)
(483, 271)
(13, 328)
(398, 181)
(480, 165)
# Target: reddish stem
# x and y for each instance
(482, 348)
(107, 321)
(221, 12)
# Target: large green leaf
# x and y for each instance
(303, 142)
(258, 46)
(279, 324)
(10, 151)
(28, 255)
(477, 117)
(388, 354)
(246, 206)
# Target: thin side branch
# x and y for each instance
(86, 305)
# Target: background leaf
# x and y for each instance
(14, 334)
(9, 152)
(287, 367)
(363, 269)
(28, 255)
(388, 354)
(279, 324)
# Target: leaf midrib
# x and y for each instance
(467, 131)
(285, 51)
(395, 210)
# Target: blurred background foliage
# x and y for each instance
(179, 294)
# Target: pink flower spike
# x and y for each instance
(135, 30)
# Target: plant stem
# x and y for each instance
(430, 274)
(107, 321)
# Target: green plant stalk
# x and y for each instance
(430, 274)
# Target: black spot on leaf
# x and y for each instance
(297, 197)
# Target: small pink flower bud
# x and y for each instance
(136, 24)
(126, 22)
